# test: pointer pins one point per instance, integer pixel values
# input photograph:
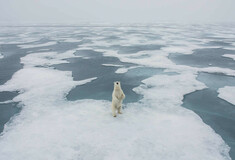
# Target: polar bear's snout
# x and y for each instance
(117, 98)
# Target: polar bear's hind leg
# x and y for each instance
(114, 111)
(120, 110)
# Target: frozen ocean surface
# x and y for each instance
(56, 84)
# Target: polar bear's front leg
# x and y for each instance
(114, 111)
(123, 95)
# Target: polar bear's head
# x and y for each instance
(117, 84)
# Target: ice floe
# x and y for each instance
(227, 93)
(229, 56)
(159, 59)
(47, 58)
(112, 65)
(124, 70)
(25, 46)
(86, 81)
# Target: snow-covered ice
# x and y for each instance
(50, 127)
(25, 46)
(227, 93)
(112, 65)
(229, 56)
(124, 70)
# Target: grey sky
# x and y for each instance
(116, 11)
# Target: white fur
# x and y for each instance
(117, 98)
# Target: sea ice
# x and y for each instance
(227, 93)
(124, 70)
(37, 45)
(229, 56)
(112, 65)
(157, 127)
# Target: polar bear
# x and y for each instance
(117, 98)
